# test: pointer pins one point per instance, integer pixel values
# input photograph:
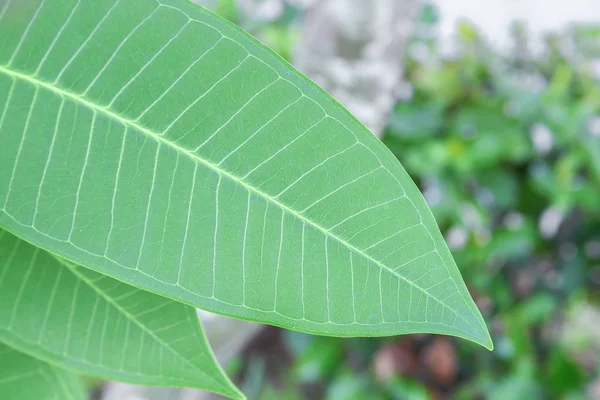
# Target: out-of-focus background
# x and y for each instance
(493, 107)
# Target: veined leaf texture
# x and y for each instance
(84, 321)
(24, 377)
(153, 142)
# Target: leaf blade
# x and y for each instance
(231, 157)
(26, 377)
(93, 324)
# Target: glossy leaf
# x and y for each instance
(24, 377)
(87, 322)
(154, 142)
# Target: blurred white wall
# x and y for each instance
(493, 17)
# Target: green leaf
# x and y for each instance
(90, 323)
(24, 377)
(159, 144)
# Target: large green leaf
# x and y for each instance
(87, 322)
(156, 143)
(24, 377)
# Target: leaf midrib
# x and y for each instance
(34, 80)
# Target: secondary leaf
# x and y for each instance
(24, 377)
(156, 143)
(87, 322)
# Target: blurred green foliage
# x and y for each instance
(506, 148)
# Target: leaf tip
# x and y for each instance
(231, 391)
(476, 329)
(487, 342)
(238, 395)
(483, 337)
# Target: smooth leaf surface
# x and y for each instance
(90, 323)
(156, 143)
(24, 377)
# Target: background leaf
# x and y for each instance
(24, 377)
(158, 144)
(87, 322)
